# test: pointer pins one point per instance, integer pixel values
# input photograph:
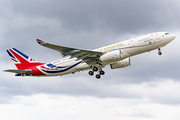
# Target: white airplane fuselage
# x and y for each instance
(112, 54)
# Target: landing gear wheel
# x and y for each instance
(160, 53)
(95, 69)
(102, 72)
(98, 76)
(91, 73)
(159, 49)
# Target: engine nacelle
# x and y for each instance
(120, 64)
(111, 56)
(115, 55)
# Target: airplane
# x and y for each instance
(116, 55)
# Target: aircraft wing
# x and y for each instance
(90, 57)
(19, 71)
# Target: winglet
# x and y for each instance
(40, 41)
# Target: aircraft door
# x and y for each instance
(158, 38)
(131, 42)
(153, 39)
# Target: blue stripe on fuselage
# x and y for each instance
(62, 70)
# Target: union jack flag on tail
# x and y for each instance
(21, 60)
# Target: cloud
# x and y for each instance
(43, 106)
(118, 16)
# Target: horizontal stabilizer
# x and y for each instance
(19, 71)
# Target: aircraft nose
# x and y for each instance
(173, 36)
(170, 37)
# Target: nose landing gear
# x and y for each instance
(159, 49)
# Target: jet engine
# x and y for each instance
(111, 56)
(115, 55)
(121, 64)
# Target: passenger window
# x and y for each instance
(166, 33)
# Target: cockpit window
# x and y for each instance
(166, 33)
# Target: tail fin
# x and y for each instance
(21, 60)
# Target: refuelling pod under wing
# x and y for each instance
(120, 64)
(114, 56)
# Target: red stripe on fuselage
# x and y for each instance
(36, 71)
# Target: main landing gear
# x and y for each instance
(159, 49)
(95, 69)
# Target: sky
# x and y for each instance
(146, 90)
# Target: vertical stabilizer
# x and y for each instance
(21, 60)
